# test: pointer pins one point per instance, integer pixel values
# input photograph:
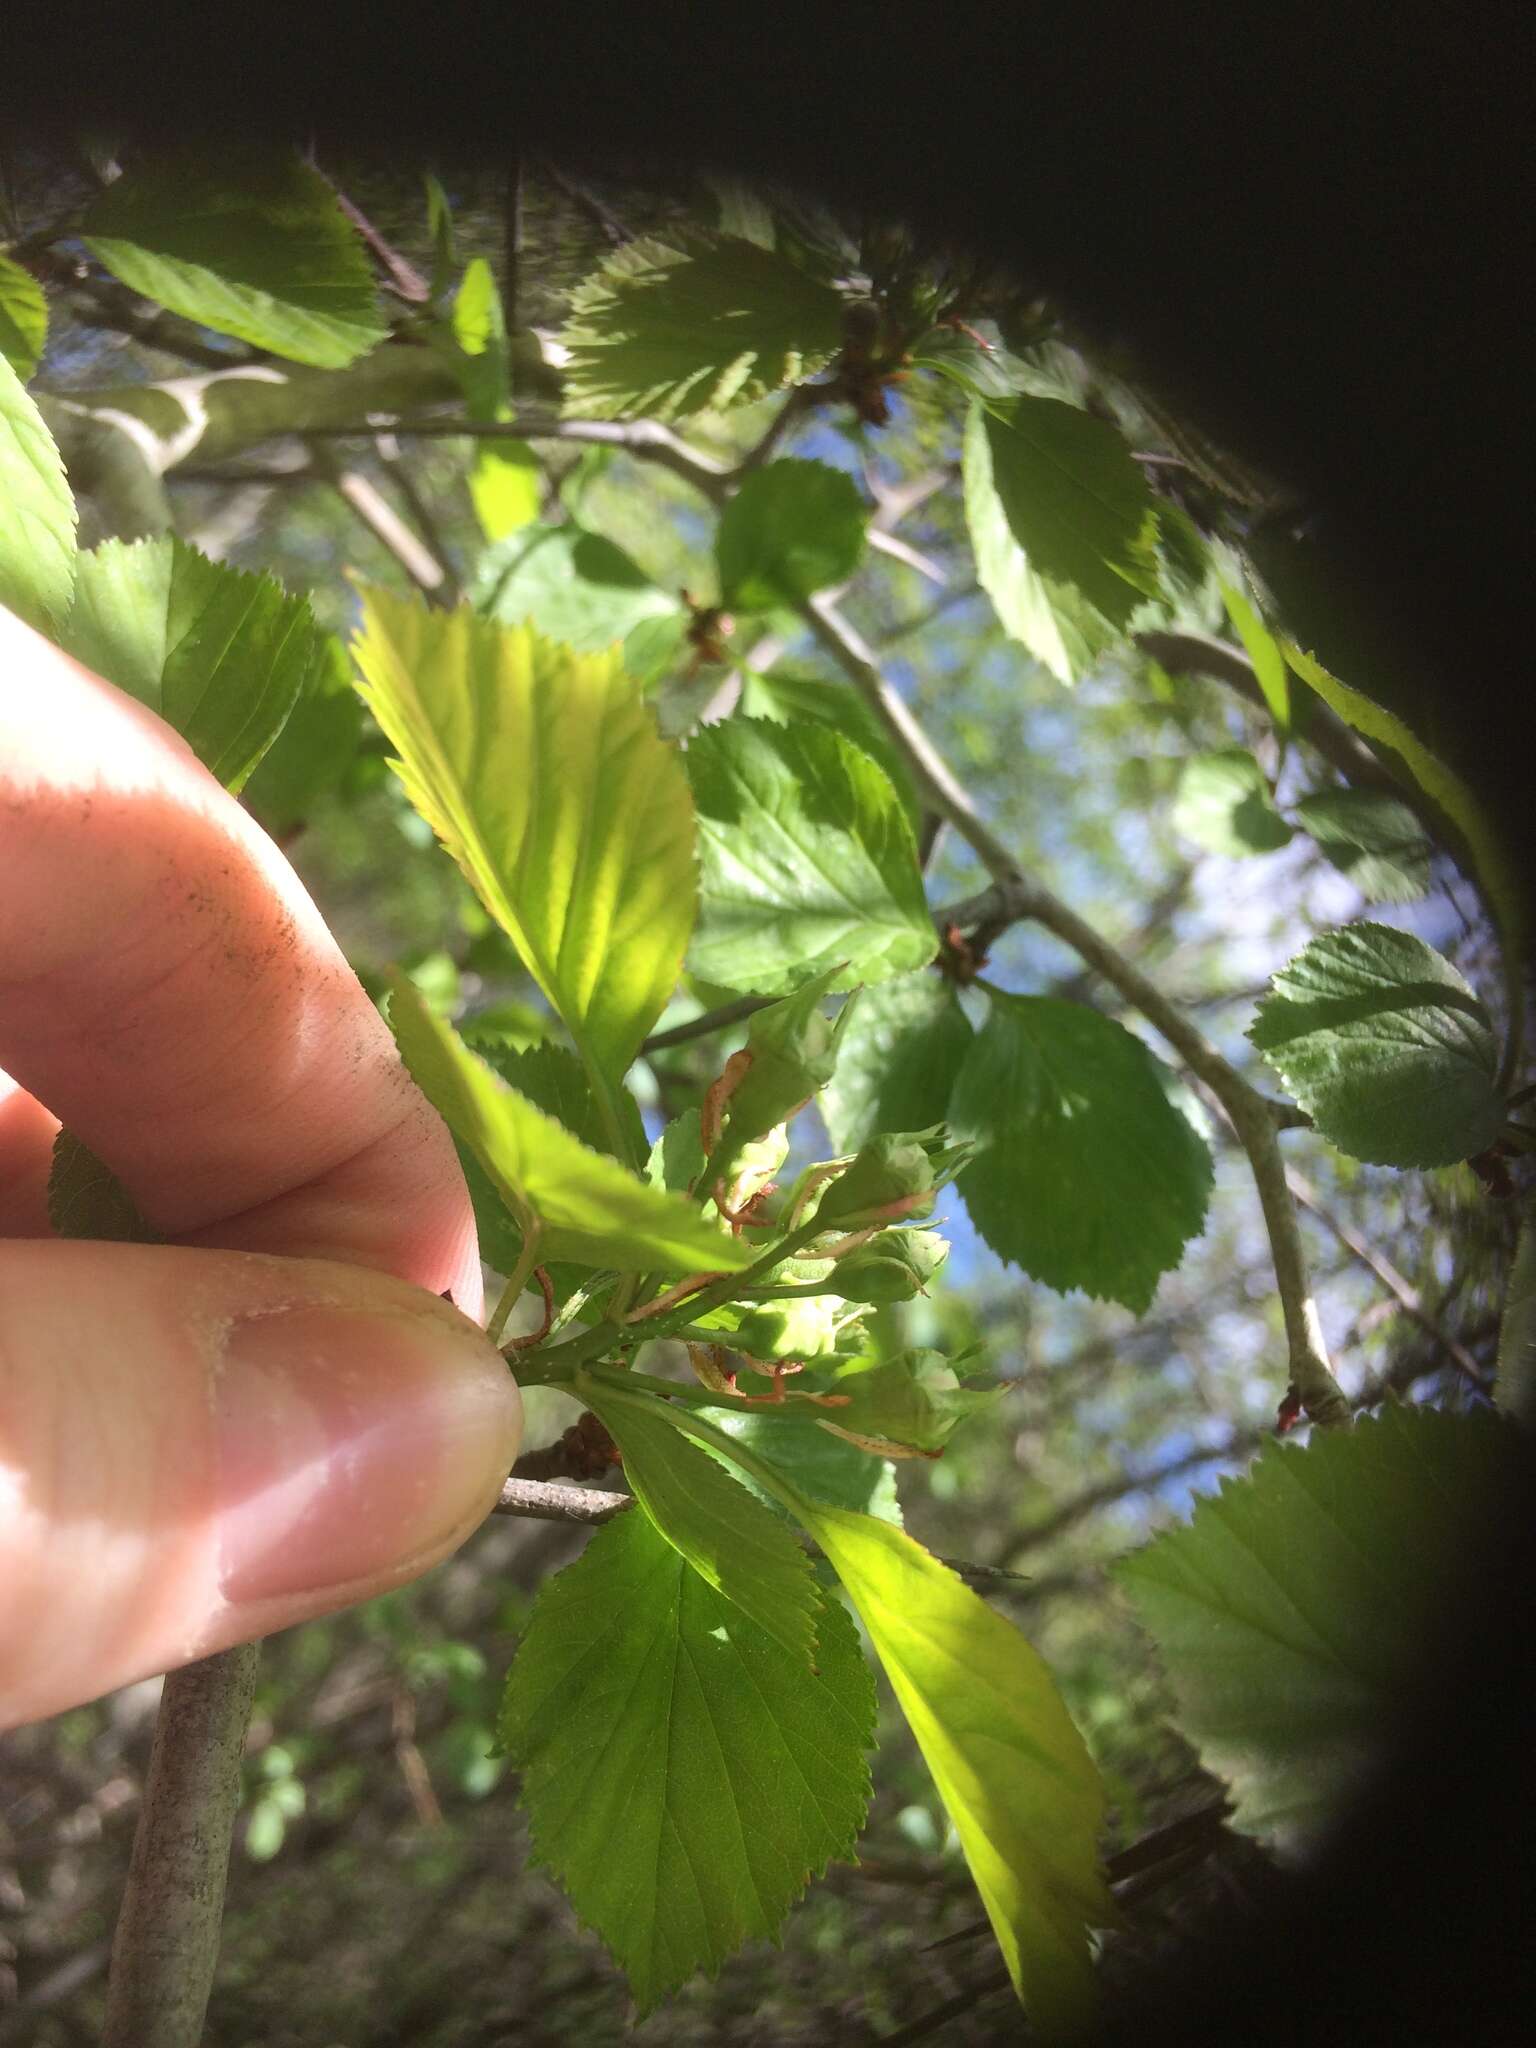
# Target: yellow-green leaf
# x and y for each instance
(1442, 785)
(1024, 1794)
(23, 318)
(584, 1206)
(542, 773)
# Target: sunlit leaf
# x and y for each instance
(541, 772)
(1444, 788)
(37, 534)
(1086, 1175)
(1023, 1793)
(249, 245)
(684, 1775)
(731, 1540)
(222, 655)
(584, 1205)
(1379, 1038)
(1264, 651)
(787, 696)
(505, 480)
(23, 318)
(1063, 527)
(807, 859)
(664, 330)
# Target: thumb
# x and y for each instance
(199, 1447)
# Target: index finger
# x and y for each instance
(170, 992)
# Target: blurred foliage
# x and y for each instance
(379, 1894)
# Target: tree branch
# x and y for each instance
(167, 1939)
(548, 1500)
(1396, 1284)
(375, 512)
(703, 1025)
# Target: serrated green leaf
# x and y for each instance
(791, 529)
(785, 697)
(684, 1776)
(897, 1063)
(818, 1465)
(571, 585)
(86, 1199)
(1024, 1794)
(585, 1205)
(1444, 788)
(554, 1081)
(1372, 838)
(1224, 804)
(911, 1403)
(37, 534)
(806, 859)
(730, 1540)
(1086, 1175)
(1062, 524)
(1263, 650)
(664, 329)
(223, 656)
(314, 750)
(1052, 620)
(505, 480)
(1515, 1390)
(541, 772)
(23, 318)
(1290, 1611)
(1383, 1043)
(251, 245)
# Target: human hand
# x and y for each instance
(270, 1416)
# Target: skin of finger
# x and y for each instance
(171, 993)
(112, 1480)
(27, 1132)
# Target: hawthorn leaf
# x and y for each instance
(898, 1060)
(908, 1405)
(1063, 526)
(1025, 1796)
(785, 697)
(1382, 1042)
(251, 245)
(791, 529)
(1445, 789)
(806, 860)
(505, 480)
(222, 655)
(542, 773)
(728, 1538)
(1289, 1613)
(1086, 1174)
(820, 1466)
(37, 534)
(553, 1080)
(23, 318)
(685, 1776)
(570, 585)
(1264, 652)
(665, 329)
(1371, 838)
(317, 745)
(86, 1199)
(1224, 805)
(586, 1206)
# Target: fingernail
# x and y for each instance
(352, 1445)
